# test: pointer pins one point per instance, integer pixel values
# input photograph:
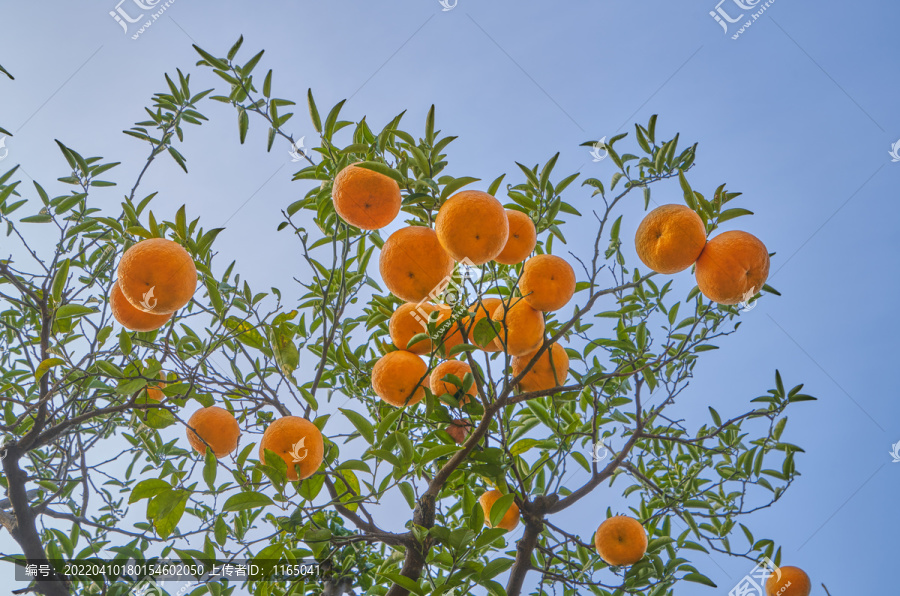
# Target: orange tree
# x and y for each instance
(96, 462)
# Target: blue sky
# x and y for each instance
(798, 113)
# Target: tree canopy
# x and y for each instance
(93, 466)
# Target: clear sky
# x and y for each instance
(799, 113)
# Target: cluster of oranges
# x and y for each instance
(731, 268)
(156, 277)
(471, 227)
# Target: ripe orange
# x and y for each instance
(792, 582)
(407, 322)
(410, 319)
(155, 392)
(510, 518)
(366, 199)
(542, 375)
(732, 268)
(670, 238)
(157, 276)
(299, 443)
(456, 368)
(216, 427)
(621, 540)
(458, 429)
(472, 225)
(398, 374)
(130, 317)
(547, 282)
(522, 327)
(413, 263)
(483, 309)
(522, 239)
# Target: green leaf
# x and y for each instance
(287, 357)
(361, 423)
(403, 581)
(45, 366)
(733, 213)
(166, 509)
(212, 60)
(221, 530)
(495, 185)
(68, 311)
(314, 112)
(699, 579)
(456, 184)
(407, 490)
(246, 500)
(243, 124)
(234, 49)
(125, 343)
(210, 468)
(495, 567)
(689, 198)
(377, 166)
(500, 507)
(416, 339)
(148, 488)
(523, 445)
(39, 218)
(59, 280)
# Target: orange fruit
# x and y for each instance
(792, 581)
(456, 368)
(510, 518)
(155, 392)
(472, 225)
(299, 443)
(522, 239)
(621, 540)
(458, 429)
(364, 198)
(130, 317)
(216, 427)
(732, 268)
(398, 374)
(670, 238)
(542, 375)
(547, 282)
(408, 321)
(483, 309)
(413, 264)
(157, 276)
(522, 327)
